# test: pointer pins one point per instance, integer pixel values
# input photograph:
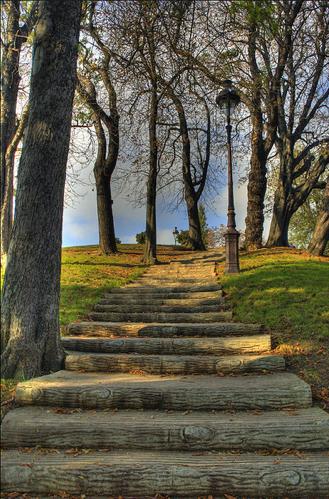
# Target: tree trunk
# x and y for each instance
(150, 256)
(256, 188)
(7, 207)
(191, 197)
(287, 197)
(30, 337)
(278, 235)
(9, 89)
(107, 240)
(320, 236)
(107, 153)
(194, 231)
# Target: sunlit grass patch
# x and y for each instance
(288, 292)
(87, 274)
(282, 289)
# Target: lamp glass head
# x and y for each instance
(228, 99)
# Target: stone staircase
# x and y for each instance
(194, 405)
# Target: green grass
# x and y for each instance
(285, 290)
(288, 292)
(86, 275)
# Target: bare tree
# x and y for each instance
(248, 42)
(30, 337)
(302, 135)
(194, 178)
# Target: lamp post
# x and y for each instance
(175, 234)
(228, 99)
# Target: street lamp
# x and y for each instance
(175, 234)
(227, 100)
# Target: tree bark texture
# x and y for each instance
(107, 242)
(320, 236)
(30, 306)
(256, 186)
(282, 213)
(150, 256)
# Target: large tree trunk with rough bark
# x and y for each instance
(320, 236)
(107, 242)
(256, 187)
(278, 235)
(30, 337)
(150, 256)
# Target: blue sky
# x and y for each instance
(80, 220)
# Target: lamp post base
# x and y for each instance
(232, 251)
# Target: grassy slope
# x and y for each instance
(288, 291)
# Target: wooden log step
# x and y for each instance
(173, 274)
(173, 281)
(172, 364)
(158, 308)
(147, 296)
(197, 288)
(182, 274)
(211, 265)
(185, 346)
(116, 329)
(203, 267)
(132, 391)
(157, 299)
(161, 316)
(142, 473)
(305, 429)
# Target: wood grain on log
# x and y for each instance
(168, 295)
(93, 390)
(211, 330)
(141, 473)
(198, 288)
(161, 317)
(172, 281)
(184, 278)
(159, 300)
(306, 429)
(184, 346)
(172, 364)
(129, 307)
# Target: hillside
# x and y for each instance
(286, 290)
